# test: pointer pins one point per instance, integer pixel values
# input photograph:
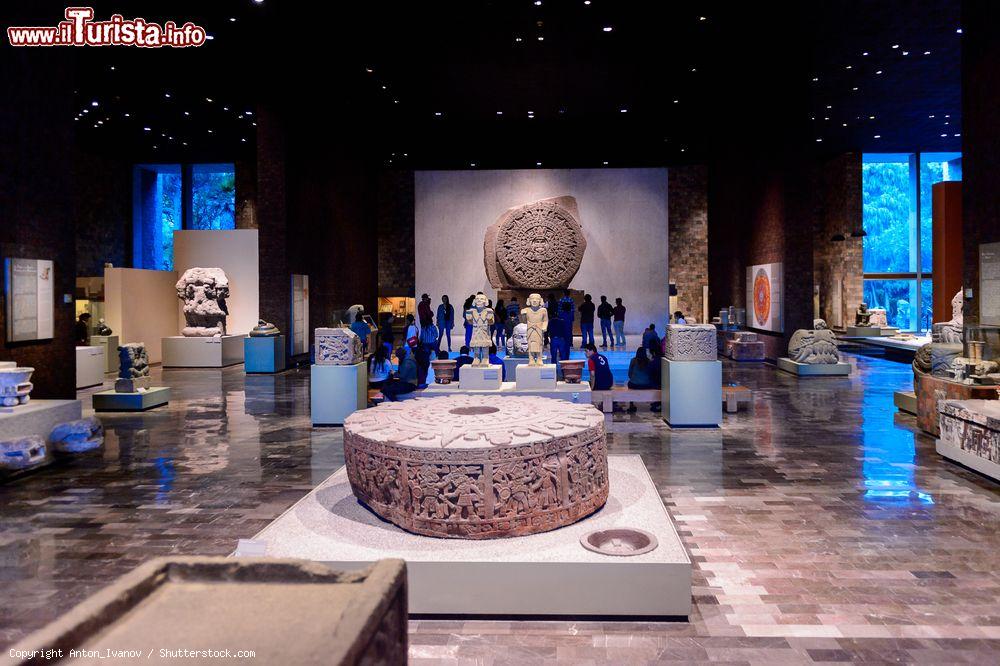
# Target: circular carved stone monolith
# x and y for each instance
(478, 467)
(539, 245)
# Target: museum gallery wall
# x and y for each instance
(622, 212)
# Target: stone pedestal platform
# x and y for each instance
(480, 377)
(814, 369)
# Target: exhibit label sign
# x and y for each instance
(765, 284)
(30, 298)
(989, 283)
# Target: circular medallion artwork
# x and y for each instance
(761, 297)
(539, 245)
(478, 467)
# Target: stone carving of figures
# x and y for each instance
(950, 332)
(512, 492)
(465, 497)
(481, 318)
(536, 316)
(862, 316)
(545, 487)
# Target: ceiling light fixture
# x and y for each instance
(879, 71)
(927, 52)
(895, 46)
(622, 110)
(437, 113)
(608, 28)
(94, 103)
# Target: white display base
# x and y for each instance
(536, 377)
(90, 365)
(691, 392)
(541, 574)
(905, 401)
(814, 369)
(38, 417)
(480, 377)
(183, 352)
(110, 344)
(889, 331)
(862, 331)
(264, 354)
(562, 391)
(140, 401)
(970, 460)
(512, 363)
(336, 392)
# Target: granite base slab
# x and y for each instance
(140, 401)
(38, 417)
(541, 574)
(814, 369)
(905, 401)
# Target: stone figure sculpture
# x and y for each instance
(204, 292)
(517, 343)
(879, 317)
(950, 332)
(536, 317)
(264, 329)
(478, 466)
(338, 346)
(538, 245)
(862, 318)
(133, 368)
(352, 312)
(814, 347)
(480, 316)
(820, 325)
(78, 436)
(22, 453)
(15, 386)
(103, 328)
(692, 342)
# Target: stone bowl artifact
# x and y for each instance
(572, 370)
(14, 386)
(619, 541)
(478, 466)
(264, 329)
(444, 370)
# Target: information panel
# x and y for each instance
(989, 283)
(29, 295)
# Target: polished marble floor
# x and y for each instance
(822, 527)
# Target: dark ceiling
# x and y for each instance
(519, 82)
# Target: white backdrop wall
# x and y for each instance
(624, 218)
(236, 253)
(141, 306)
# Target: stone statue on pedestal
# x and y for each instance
(480, 316)
(862, 318)
(537, 319)
(204, 292)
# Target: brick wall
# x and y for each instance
(980, 139)
(36, 201)
(838, 265)
(687, 212)
(103, 212)
(394, 211)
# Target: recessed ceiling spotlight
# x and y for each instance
(517, 39)
(956, 135)
(871, 117)
(383, 87)
(243, 140)
(249, 113)
(906, 53)
(209, 38)
(895, 46)
(538, 3)
(211, 131)
(844, 124)
(677, 101)
(683, 150)
(254, 124)
(186, 113)
(472, 164)
(829, 106)
(815, 78)
(259, 2)
(586, 2)
(622, 110)
(167, 95)
(94, 103)
(947, 122)
(605, 163)
(225, 108)
(395, 101)
(232, 19)
(819, 140)
(86, 110)
(112, 68)
(702, 18)
(944, 135)
(146, 129)
(437, 113)
(126, 115)
(208, 99)
(849, 67)
(879, 71)
(499, 113)
(959, 31)
(878, 136)
(369, 70)
(607, 28)
(854, 88)
(826, 118)
(927, 52)
(931, 116)
(947, 115)
(538, 164)
(865, 53)
(184, 143)
(694, 69)
(540, 38)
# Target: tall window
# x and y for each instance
(169, 197)
(898, 258)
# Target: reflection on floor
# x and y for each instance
(820, 526)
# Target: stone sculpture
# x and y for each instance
(338, 346)
(78, 436)
(820, 325)
(481, 318)
(103, 328)
(538, 245)
(572, 370)
(536, 317)
(950, 332)
(691, 342)
(133, 368)
(478, 466)
(22, 453)
(204, 292)
(815, 347)
(862, 318)
(264, 329)
(879, 318)
(15, 386)
(922, 360)
(745, 346)
(517, 343)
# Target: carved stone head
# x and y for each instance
(535, 301)
(480, 301)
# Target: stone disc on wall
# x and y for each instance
(539, 245)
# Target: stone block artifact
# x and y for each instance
(816, 346)
(338, 346)
(478, 466)
(692, 342)
(481, 318)
(536, 316)
(133, 368)
(538, 245)
(204, 292)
